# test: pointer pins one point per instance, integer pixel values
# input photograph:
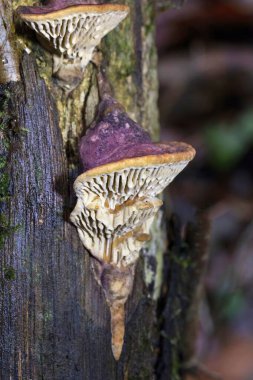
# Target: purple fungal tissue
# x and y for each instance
(123, 171)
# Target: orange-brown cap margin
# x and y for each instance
(99, 8)
(185, 153)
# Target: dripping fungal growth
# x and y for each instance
(124, 171)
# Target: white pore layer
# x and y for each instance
(113, 235)
(75, 36)
(114, 211)
(120, 186)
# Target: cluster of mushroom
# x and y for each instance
(71, 30)
(124, 170)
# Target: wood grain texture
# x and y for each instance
(184, 268)
(54, 321)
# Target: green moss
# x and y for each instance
(149, 16)
(122, 59)
(9, 273)
(6, 229)
(48, 316)
(4, 145)
(16, 3)
(175, 367)
(2, 162)
(153, 275)
(38, 173)
(122, 64)
(3, 229)
(184, 262)
(4, 185)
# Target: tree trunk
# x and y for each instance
(54, 320)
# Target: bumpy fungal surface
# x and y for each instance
(124, 172)
(114, 137)
(71, 30)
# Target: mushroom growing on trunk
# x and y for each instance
(124, 171)
(70, 30)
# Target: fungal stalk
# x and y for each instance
(124, 171)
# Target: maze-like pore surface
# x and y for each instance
(72, 34)
(120, 186)
(106, 224)
(115, 234)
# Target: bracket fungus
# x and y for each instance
(124, 171)
(70, 30)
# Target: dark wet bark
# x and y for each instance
(162, 5)
(184, 267)
(54, 321)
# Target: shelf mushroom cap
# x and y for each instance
(71, 30)
(56, 8)
(114, 138)
(121, 162)
(69, 27)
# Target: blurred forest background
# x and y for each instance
(206, 99)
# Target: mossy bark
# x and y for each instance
(9, 58)
(54, 320)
